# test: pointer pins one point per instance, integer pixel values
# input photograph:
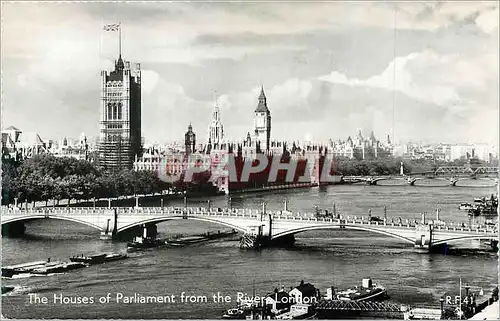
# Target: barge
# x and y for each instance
(58, 267)
(98, 258)
(187, 240)
(24, 268)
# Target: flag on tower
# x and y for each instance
(112, 27)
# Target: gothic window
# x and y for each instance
(115, 111)
(109, 111)
(120, 111)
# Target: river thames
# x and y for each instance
(323, 258)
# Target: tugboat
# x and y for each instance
(144, 243)
(98, 258)
(465, 206)
(483, 206)
(367, 292)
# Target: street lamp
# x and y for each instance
(441, 301)
(263, 210)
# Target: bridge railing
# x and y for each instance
(54, 210)
(403, 224)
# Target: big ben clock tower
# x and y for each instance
(262, 121)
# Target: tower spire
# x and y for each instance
(216, 99)
(120, 39)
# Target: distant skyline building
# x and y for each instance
(120, 121)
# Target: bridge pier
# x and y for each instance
(254, 241)
(150, 230)
(423, 236)
(259, 239)
(109, 230)
(15, 229)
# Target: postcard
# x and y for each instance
(250, 160)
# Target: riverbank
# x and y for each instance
(271, 188)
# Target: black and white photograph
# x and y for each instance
(250, 160)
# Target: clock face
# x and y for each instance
(260, 122)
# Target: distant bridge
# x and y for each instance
(462, 171)
(452, 174)
(258, 224)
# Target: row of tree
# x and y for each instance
(353, 167)
(45, 177)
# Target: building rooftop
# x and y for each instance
(12, 128)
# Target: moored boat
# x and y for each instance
(98, 258)
(234, 314)
(144, 243)
(367, 292)
(297, 312)
(89, 259)
(465, 206)
(59, 267)
(186, 240)
(9, 271)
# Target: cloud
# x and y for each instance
(438, 15)
(428, 76)
(149, 79)
(327, 68)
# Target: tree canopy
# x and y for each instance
(46, 177)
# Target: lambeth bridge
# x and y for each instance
(255, 224)
(451, 174)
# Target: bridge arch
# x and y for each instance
(180, 217)
(27, 218)
(347, 227)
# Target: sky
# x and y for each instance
(423, 71)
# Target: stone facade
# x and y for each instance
(120, 121)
